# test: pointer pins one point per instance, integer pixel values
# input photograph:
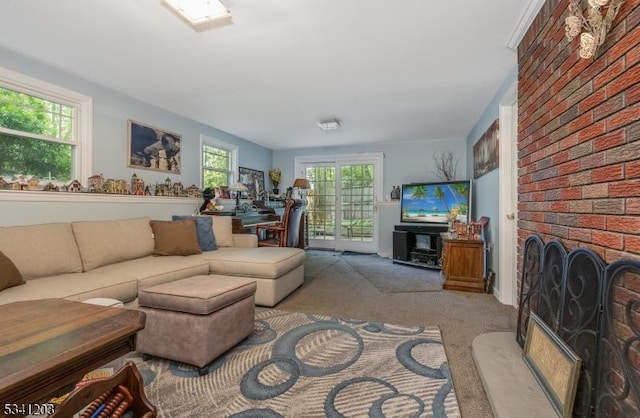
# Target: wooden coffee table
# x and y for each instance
(48, 345)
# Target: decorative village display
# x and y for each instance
(98, 184)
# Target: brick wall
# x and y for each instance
(579, 136)
(579, 146)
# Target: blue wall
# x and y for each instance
(486, 188)
(405, 162)
(111, 110)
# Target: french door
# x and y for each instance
(341, 209)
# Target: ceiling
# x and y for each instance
(388, 70)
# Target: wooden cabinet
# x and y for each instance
(463, 264)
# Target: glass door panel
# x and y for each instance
(357, 207)
(341, 211)
(321, 206)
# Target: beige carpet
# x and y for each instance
(388, 277)
(335, 288)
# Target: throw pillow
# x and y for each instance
(204, 230)
(223, 230)
(175, 237)
(9, 274)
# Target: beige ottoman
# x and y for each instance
(196, 319)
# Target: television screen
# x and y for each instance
(436, 203)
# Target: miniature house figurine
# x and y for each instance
(73, 186)
(96, 183)
(33, 183)
(134, 182)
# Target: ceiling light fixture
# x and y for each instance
(594, 27)
(329, 124)
(199, 12)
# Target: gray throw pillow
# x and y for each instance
(204, 230)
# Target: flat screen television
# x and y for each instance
(436, 203)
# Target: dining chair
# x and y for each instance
(285, 233)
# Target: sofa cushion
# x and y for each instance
(175, 237)
(204, 230)
(41, 250)
(261, 262)
(107, 242)
(9, 274)
(151, 271)
(73, 286)
(223, 230)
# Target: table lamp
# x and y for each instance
(302, 185)
(238, 188)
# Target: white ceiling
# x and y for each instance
(401, 70)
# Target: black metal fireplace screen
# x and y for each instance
(595, 309)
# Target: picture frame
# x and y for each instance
(151, 148)
(554, 365)
(253, 179)
(486, 151)
(224, 192)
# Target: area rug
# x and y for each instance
(305, 365)
(388, 277)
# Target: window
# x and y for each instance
(45, 131)
(219, 162)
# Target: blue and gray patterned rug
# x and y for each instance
(304, 365)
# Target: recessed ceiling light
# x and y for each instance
(198, 12)
(329, 124)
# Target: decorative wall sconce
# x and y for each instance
(594, 27)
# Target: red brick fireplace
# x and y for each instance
(579, 147)
(579, 136)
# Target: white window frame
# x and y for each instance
(213, 142)
(83, 122)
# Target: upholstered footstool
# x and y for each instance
(196, 319)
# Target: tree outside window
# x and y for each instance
(217, 166)
(45, 130)
(36, 136)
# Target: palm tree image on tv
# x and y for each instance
(435, 203)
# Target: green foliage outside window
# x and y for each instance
(36, 143)
(216, 165)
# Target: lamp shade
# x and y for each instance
(238, 187)
(301, 184)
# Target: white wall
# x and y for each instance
(18, 208)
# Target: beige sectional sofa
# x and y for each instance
(113, 259)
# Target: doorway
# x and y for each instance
(508, 184)
(341, 210)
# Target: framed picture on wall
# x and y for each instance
(253, 179)
(152, 148)
(485, 152)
